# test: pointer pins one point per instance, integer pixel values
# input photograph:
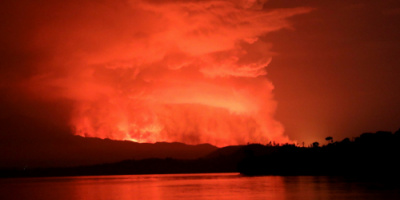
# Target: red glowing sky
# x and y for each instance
(221, 72)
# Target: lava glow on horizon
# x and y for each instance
(176, 71)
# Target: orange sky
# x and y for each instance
(219, 72)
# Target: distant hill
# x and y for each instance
(77, 151)
(225, 151)
(26, 142)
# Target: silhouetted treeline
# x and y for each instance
(371, 154)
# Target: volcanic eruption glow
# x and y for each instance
(186, 71)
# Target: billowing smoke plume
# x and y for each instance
(187, 71)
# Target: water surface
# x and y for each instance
(193, 186)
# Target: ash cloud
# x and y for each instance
(147, 71)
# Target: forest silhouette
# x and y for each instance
(369, 155)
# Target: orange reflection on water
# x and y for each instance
(174, 186)
(179, 186)
(194, 186)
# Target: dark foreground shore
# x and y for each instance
(370, 155)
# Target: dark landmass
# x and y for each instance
(27, 142)
(77, 151)
(370, 155)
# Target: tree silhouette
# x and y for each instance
(315, 144)
(329, 138)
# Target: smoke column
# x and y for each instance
(147, 71)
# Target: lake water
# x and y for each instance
(193, 186)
